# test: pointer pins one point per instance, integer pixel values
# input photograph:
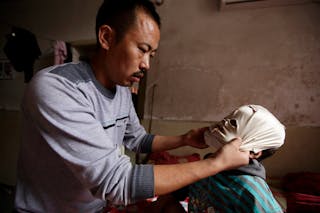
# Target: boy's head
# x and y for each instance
(255, 125)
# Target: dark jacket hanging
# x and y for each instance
(22, 50)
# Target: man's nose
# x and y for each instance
(145, 64)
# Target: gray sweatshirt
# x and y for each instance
(70, 159)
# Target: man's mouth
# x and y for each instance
(139, 74)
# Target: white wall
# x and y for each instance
(58, 20)
(211, 62)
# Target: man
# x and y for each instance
(77, 116)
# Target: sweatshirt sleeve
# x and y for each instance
(136, 138)
(67, 123)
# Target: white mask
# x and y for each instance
(255, 125)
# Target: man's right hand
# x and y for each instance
(229, 156)
(168, 178)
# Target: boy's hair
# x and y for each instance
(266, 153)
(121, 15)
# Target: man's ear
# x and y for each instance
(255, 155)
(105, 36)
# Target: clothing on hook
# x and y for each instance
(22, 50)
(60, 52)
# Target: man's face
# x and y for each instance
(128, 59)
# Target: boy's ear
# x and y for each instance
(105, 36)
(255, 155)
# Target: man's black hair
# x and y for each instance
(120, 15)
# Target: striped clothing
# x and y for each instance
(228, 193)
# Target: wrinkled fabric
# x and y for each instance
(258, 128)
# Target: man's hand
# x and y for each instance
(195, 138)
(168, 178)
(229, 156)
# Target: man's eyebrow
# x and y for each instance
(149, 47)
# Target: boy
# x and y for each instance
(243, 189)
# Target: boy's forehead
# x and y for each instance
(244, 111)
